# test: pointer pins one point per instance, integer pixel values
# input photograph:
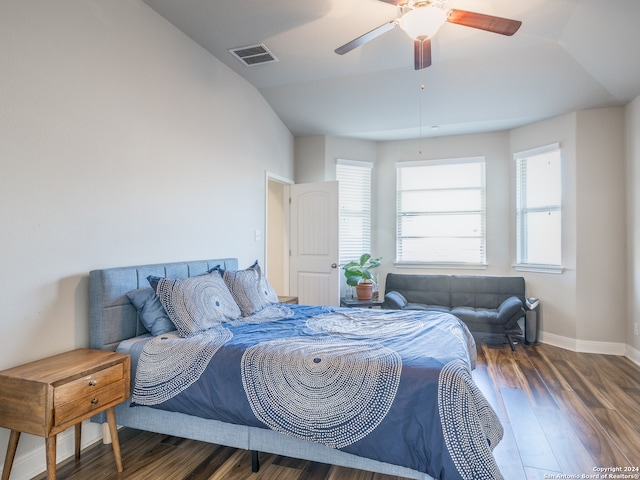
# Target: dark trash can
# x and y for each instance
(532, 322)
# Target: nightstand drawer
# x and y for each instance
(86, 385)
(85, 404)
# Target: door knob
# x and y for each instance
(334, 265)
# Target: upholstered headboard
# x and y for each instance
(112, 317)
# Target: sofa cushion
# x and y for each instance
(425, 289)
(484, 291)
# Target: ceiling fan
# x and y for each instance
(421, 19)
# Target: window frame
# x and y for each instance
(521, 212)
(451, 263)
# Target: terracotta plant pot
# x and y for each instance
(364, 291)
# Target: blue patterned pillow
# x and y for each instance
(250, 289)
(195, 304)
(150, 311)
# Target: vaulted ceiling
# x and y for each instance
(568, 55)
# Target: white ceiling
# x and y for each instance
(568, 55)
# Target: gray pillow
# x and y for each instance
(196, 304)
(394, 300)
(151, 313)
(250, 289)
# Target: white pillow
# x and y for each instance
(196, 304)
(250, 289)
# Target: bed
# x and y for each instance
(388, 392)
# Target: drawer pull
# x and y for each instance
(93, 383)
(94, 401)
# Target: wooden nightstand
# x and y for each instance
(286, 299)
(50, 395)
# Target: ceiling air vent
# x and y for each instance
(253, 55)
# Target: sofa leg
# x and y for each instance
(512, 342)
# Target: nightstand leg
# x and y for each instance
(113, 429)
(78, 439)
(11, 453)
(50, 446)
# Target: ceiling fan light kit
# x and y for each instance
(421, 20)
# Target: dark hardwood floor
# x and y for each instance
(563, 412)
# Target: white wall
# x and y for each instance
(633, 220)
(310, 159)
(601, 226)
(122, 143)
(316, 156)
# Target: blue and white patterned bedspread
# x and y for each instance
(388, 385)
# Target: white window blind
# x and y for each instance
(441, 211)
(354, 187)
(539, 206)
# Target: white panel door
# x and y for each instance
(315, 276)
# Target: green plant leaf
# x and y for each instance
(356, 272)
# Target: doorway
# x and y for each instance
(277, 237)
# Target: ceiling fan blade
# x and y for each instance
(362, 39)
(422, 53)
(503, 26)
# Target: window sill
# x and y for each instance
(460, 266)
(531, 267)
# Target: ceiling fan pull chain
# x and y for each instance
(421, 98)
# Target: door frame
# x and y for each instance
(286, 182)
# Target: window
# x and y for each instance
(354, 190)
(539, 207)
(441, 212)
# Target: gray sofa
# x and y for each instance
(486, 304)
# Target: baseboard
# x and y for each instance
(32, 463)
(633, 354)
(585, 346)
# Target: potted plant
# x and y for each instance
(359, 274)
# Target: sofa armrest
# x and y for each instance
(510, 307)
(394, 301)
